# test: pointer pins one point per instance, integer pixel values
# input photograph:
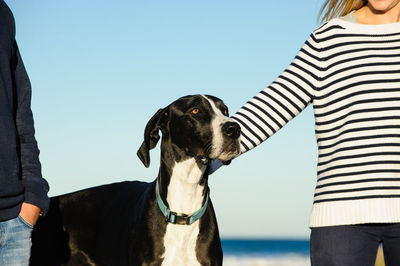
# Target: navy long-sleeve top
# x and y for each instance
(20, 169)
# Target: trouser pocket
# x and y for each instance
(24, 222)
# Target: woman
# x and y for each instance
(349, 69)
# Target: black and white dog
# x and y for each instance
(170, 221)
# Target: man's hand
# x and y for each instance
(30, 213)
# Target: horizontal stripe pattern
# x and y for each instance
(353, 83)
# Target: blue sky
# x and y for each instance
(100, 69)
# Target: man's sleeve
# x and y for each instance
(36, 187)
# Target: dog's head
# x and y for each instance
(193, 126)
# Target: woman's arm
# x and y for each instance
(283, 100)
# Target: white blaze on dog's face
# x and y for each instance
(226, 132)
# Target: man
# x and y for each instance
(23, 191)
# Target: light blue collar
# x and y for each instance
(183, 219)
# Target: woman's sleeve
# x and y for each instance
(285, 98)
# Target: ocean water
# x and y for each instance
(266, 252)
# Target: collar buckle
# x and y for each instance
(182, 219)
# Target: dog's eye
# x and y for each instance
(226, 112)
(195, 111)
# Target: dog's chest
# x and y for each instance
(180, 245)
(185, 195)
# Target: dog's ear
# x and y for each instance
(151, 136)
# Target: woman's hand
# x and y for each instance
(30, 213)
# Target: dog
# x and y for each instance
(170, 221)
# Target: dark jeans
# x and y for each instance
(355, 245)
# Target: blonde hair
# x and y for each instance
(335, 8)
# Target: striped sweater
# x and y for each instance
(350, 73)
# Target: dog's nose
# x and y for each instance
(231, 129)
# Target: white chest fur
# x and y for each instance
(180, 245)
(185, 195)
